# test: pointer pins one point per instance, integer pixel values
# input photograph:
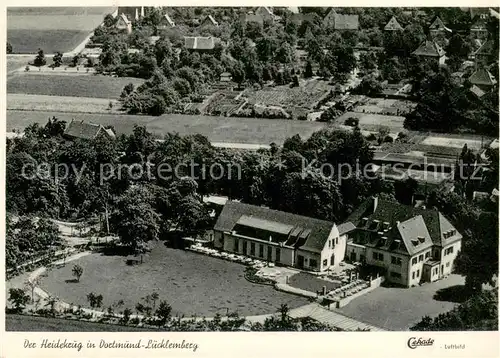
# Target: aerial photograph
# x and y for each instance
(252, 169)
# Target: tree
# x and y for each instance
(163, 313)
(77, 272)
(18, 298)
(9, 48)
(369, 86)
(238, 73)
(127, 90)
(32, 284)
(57, 59)
(40, 59)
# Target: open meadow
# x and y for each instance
(216, 129)
(51, 28)
(95, 86)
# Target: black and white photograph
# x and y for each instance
(251, 169)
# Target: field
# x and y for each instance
(372, 122)
(30, 103)
(16, 62)
(386, 106)
(474, 144)
(52, 29)
(217, 129)
(191, 283)
(95, 86)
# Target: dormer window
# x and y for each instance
(421, 239)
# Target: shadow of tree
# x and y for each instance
(457, 294)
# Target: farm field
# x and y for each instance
(372, 122)
(29, 103)
(216, 129)
(52, 29)
(95, 86)
(191, 283)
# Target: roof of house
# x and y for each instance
(429, 48)
(199, 43)
(346, 227)
(266, 10)
(393, 25)
(341, 21)
(211, 20)
(487, 49)
(125, 19)
(482, 77)
(166, 18)
(305, 232)
(85, 130)
(438, 24)
(378, 210)
(252, 18)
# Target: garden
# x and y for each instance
(191, 283)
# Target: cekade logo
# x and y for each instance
(414, 342)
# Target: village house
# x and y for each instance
(280, 237)
(438, 27)
(431, 50)
(408, 245)
(340, 21)
(209, 23)
(199, 43)
(478, 28)
(166, 22)
(86, 130)
(486, 53)
(393, 25)
(265, 13)
(123, 23)
(483, 79)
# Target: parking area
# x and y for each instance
(398, 309)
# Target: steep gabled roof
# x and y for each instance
(375, 210)
(311, 234)
(429, 48)
(482, 77)
(346, 22)
(393, 25)
(438, 24)
(125, 19)
(487, 49)
(265, 9)
(85, 130)
(478, 92)
(166, 19)
(210, 19)
(415, 235)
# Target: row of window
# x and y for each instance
(378, 256)
(448, 251)
(420, 258)
(415, 274)
(335, 242)
(277, 251)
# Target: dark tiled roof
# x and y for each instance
(429, 48)
(438, 24)
(346, 227)
(477, 91)
(487, 49)
(391, 212)
(83, 130)
(319, 230)
(209, 20)
(346, 22)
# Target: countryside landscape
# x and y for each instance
(252, 169)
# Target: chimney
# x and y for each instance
(142, 12)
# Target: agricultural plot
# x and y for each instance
(94, 86)
(453, 142)
(29, 102)
(52, 29)
(386, 106)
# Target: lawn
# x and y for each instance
(400, 308)
(21, 323)
(52, 29)
(96, 86)
(311, 283)
(190, 282)
(28, 104)
(217, 129)
(16, 62)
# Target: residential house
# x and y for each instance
(393, 25)
(341, 21)
(478, 28)
(280, 237)
(409, 245)
(431, 50)
(438, 27)
(251, 17)
(132, 12)
(86, 130)
(486, 53)
(124, 24)
(483, 79)
(199, 43)
(166, 22)
(209, 23)
(265, 13)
